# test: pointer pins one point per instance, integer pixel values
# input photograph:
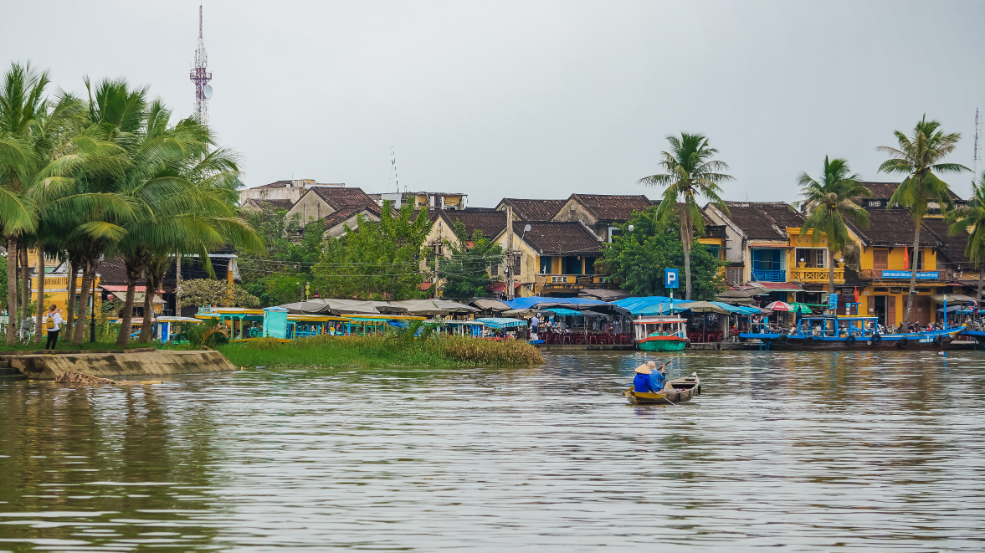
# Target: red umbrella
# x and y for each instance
(779, 306)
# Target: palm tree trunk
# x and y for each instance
(152, 285)
(25, 283)
(913, 274)
(11, 290)
(88, 274)
(978, 298)
(39, 317)
(73, 270)
(134, 274)
(687, 243)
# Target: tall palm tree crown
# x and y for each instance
(690, 171)
(831, 200)
(919, 158)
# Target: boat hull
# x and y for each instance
(933, 341)
(662, 343)
(681, 390)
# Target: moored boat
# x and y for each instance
(681, 390)
(660, 333)
(831, 332)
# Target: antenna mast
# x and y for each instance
(978, 153)
(201, 76)
(393, 162)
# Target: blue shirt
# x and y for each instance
(657, 380)
(644, 383)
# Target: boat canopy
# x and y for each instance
(501, 322)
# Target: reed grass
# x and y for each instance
(382, 351)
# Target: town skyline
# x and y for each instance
(577, 100)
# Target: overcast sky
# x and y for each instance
(533, 99)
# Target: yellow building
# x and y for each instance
(553, 259)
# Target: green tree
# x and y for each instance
(21, 102)
(465, 272)
(831, 200)
(919, 158)
(279, 275)
(970, 218)
(638, 258)
(691, 172)
(217, 292)
(378, 260)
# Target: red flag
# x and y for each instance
(856, 294)
(906, 258)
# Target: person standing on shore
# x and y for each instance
(534, 321)
(53, 324)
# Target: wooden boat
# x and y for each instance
(840, 332)
(681, 391)
(660, 333)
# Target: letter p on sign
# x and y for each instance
(671, 279)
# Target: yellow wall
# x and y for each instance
(896, 259)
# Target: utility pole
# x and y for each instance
(437, 258)
(509, 252)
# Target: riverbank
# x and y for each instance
(382, 351)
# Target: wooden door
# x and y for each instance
(880, 259)
(921, 310)
(891, 311)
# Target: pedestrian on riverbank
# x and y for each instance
(53, 324)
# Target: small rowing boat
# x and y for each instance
(681, 390)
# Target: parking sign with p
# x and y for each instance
(670, 279)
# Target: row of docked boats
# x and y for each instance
(818, 332)
(839, 332)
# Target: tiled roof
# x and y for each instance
(892, 227)
(764, 220)
(112, 271)
(952, 246)
(345, 213)
(533, 210)
(612, 208)
(489, 221)
(339, 197)
(558, 238)
(885, 190)
(275, 184)
(278, 205)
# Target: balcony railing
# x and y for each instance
(815, 274)
(769, 276)
(574, 282)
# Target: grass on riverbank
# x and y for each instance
(66, 345)
(382, 351)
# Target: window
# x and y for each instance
(571, 265)
(767, 265)
(494, 270)
(545, 264)
(880, 259)
(614, 231)
(589, 265)
(813, 258)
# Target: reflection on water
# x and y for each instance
(811, 451)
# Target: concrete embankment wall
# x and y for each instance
(115, 365)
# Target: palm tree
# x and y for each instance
(832, 201)
(691, 171)
(971, 217)
(919, 158)
(21, 102)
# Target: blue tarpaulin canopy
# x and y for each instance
(501, 322)
(650, 305)
(533, 301)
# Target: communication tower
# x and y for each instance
(200, 75)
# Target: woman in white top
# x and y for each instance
(54, 324)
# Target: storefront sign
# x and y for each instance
(921, 275)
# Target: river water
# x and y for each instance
(796, 451)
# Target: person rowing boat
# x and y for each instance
(649, 378)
